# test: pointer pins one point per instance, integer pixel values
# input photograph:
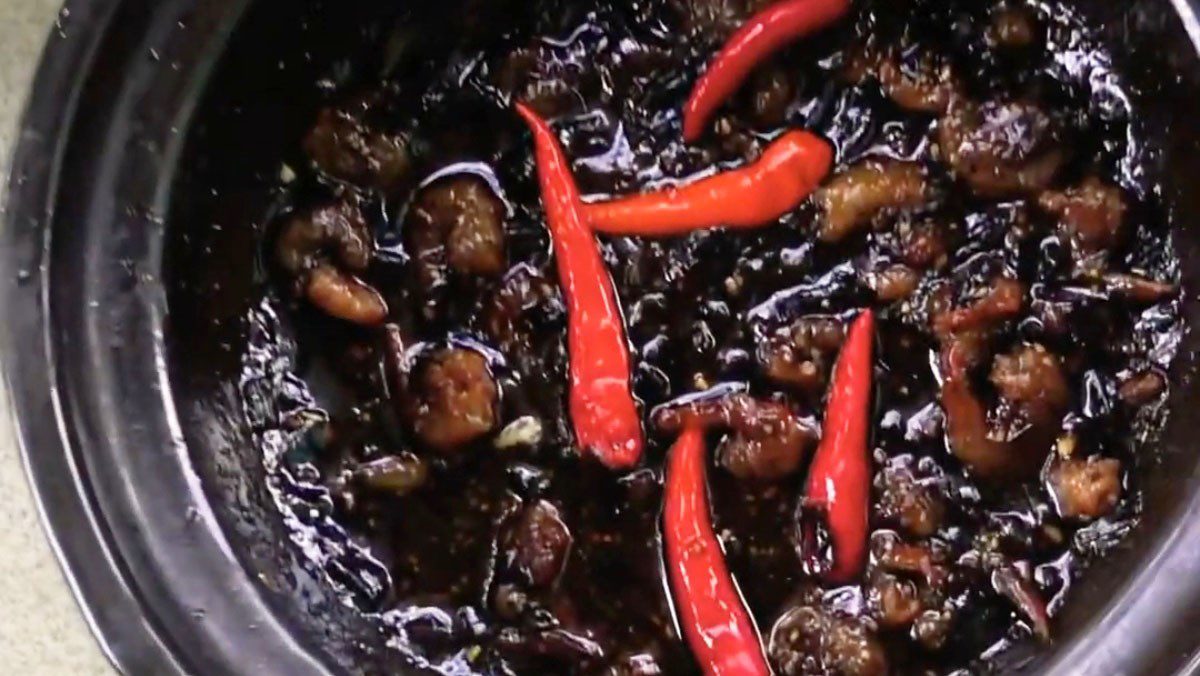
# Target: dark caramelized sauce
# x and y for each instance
(696, 308)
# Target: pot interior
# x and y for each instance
(256, 104)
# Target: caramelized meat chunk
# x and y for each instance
(893, 283)
(536, 544)
(1085, 489)
(1138, 289)
(456, 223)
(1032, 385)
(807, 639)
(1142, 388)
(920, 81)
(896, 601)
(451, 400)
(1001, 149)
(1031, 377)
(800, 355)
(1011, 584)
(322, 249)
(1091, 213)
(1002, 301)
(343, 146)
(767, 441)
(857, 195)
(918, 508)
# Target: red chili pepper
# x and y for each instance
(603, 412)
(764, 34)
(839, 480)
(714, 618)
(751, 196)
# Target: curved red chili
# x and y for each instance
(757, 194)
(839, 480)
(715, 620)
(603, 412)
(764, 34)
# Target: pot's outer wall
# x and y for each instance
(145, 154)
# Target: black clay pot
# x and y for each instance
(153, 136)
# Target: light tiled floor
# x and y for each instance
(41, 630)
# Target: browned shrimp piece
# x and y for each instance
(322, 248)
(536, 544)
(1003, 301)
(807, 638)
(927, 85)
(892, 554)
(1031, 378)
(1139, 289)
(1085, 489)
(916, 507)
(1001, 149)
(1142, 388)
(1091, 213)
(768, 439)
(346, 148)
(450, 400)
(896, 602)
(456, 223)
(923, 245)
(1010, 583)
(1031, 381)
(854, 197)
(893, 283)
(800, 355)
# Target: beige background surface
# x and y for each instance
(41, 628)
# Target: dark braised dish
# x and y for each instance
(721, 336)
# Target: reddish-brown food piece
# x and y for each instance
(893, 283)
(455, 224)
(1142, 388)
(1031, 381)
(1139, 289)
(768, 440)
(1091, 213)
(807, 638)
(1010, 583)
(916, 507)
(1003, 301)
(450, 399)
(1085, 488)
(854, 197)
(345, 147)
(896, 601)
(536, 545)
(800, 355)
(322, 249)
(1001, 149)
(919, 83)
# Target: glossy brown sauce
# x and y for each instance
(432, 547)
